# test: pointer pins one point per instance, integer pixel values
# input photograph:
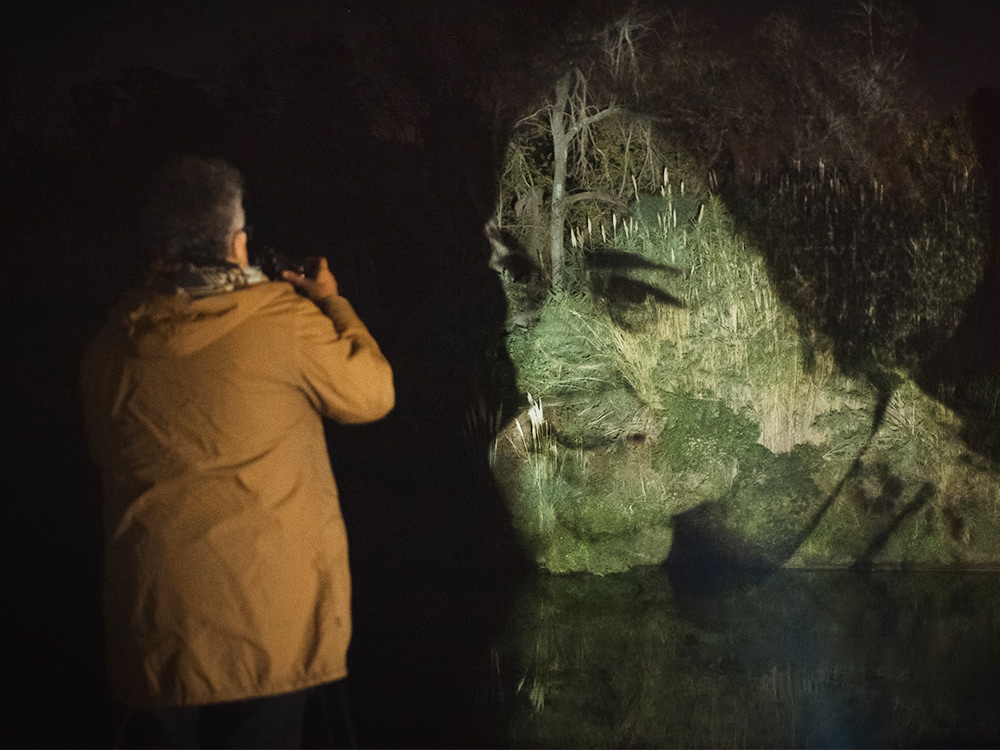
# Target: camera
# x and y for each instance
(272, 263)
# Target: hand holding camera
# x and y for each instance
(311, 277)
(313, 280)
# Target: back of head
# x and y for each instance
(193, 207)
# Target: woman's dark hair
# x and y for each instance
(192, 209)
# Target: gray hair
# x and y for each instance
(192, 211)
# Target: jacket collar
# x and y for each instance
(201, 281)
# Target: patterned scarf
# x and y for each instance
(201, 281)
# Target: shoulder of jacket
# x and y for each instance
(274, 295)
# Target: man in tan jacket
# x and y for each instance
(226, 586)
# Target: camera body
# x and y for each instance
(272, 263)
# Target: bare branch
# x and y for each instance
(618, 42)
(595, 118)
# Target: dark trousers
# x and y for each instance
(275, 721)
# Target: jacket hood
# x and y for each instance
(165, 325)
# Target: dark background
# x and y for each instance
(96, 97)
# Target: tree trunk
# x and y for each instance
(560, 145)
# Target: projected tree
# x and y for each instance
(598, 87)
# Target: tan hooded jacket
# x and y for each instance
(226, 572)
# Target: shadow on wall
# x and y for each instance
(966, 371)
(708, 551)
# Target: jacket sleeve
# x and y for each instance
(344, 373)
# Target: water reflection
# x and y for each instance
(793, 659)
